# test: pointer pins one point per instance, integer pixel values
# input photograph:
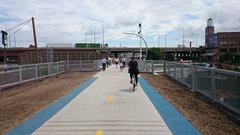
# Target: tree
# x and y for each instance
(230, 58)
(155, 54)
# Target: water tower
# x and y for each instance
(209, 31)
(210, 22)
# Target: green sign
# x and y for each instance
(87, 45)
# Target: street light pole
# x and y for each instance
(165, 39)
(141, 38)
(140, 33)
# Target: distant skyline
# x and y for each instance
(74, 21)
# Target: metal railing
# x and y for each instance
(84, 65)
(221, 86)
(13, 75)
(151, 66)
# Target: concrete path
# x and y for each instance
(107, 107)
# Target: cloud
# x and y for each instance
(74, 21)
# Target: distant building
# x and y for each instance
(219, 43)
(210, 38)
(181, 46)
(59, 45)
(225, 42)
(228, 42)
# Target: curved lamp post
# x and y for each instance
(128, 33)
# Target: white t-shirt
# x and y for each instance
(104, 60)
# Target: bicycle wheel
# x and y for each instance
(133, 83)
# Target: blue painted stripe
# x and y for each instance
(29, 126)
(176, 122)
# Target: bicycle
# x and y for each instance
(134, 83)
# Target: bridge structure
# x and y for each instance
(106, 105)
(29, 55)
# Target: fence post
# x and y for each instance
(48, 68)
(67, 65)
(96, 65)
(80, 65)
(182, 72)
(174, 73)
(194, 80)
(213, 85)
(57, 67)
(164, 67)
(167, 68)
(20, 74)
(36, 70)
(152, 67)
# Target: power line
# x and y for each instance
(13, 34)
(19, 25)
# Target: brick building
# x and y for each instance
(220, 43)
(228, 42)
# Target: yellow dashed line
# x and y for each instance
(99, 132)
(109, 99)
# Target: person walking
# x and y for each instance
(116, 62)
(104, 61)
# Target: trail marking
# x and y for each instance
(99, 132)
(109, 99)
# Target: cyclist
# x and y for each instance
(133, 69)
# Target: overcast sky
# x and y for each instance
(71, 21)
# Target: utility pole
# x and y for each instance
(103, 35)
(158, 40)
(85, 37)
(35, 38)
(183, 37)
(91, 35)
(94, 36)
(140, 33)
(15, 40)
(190, 50)
(165, 39)
(9, 38)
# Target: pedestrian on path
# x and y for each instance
(121, 65)
(104, 64)
(116, 62)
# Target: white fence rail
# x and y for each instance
(14, 75)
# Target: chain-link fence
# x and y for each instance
(180, 72)
(221, 86)
(13, 75)
(151, 66)
(84, 65)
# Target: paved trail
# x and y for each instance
(107, 107)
